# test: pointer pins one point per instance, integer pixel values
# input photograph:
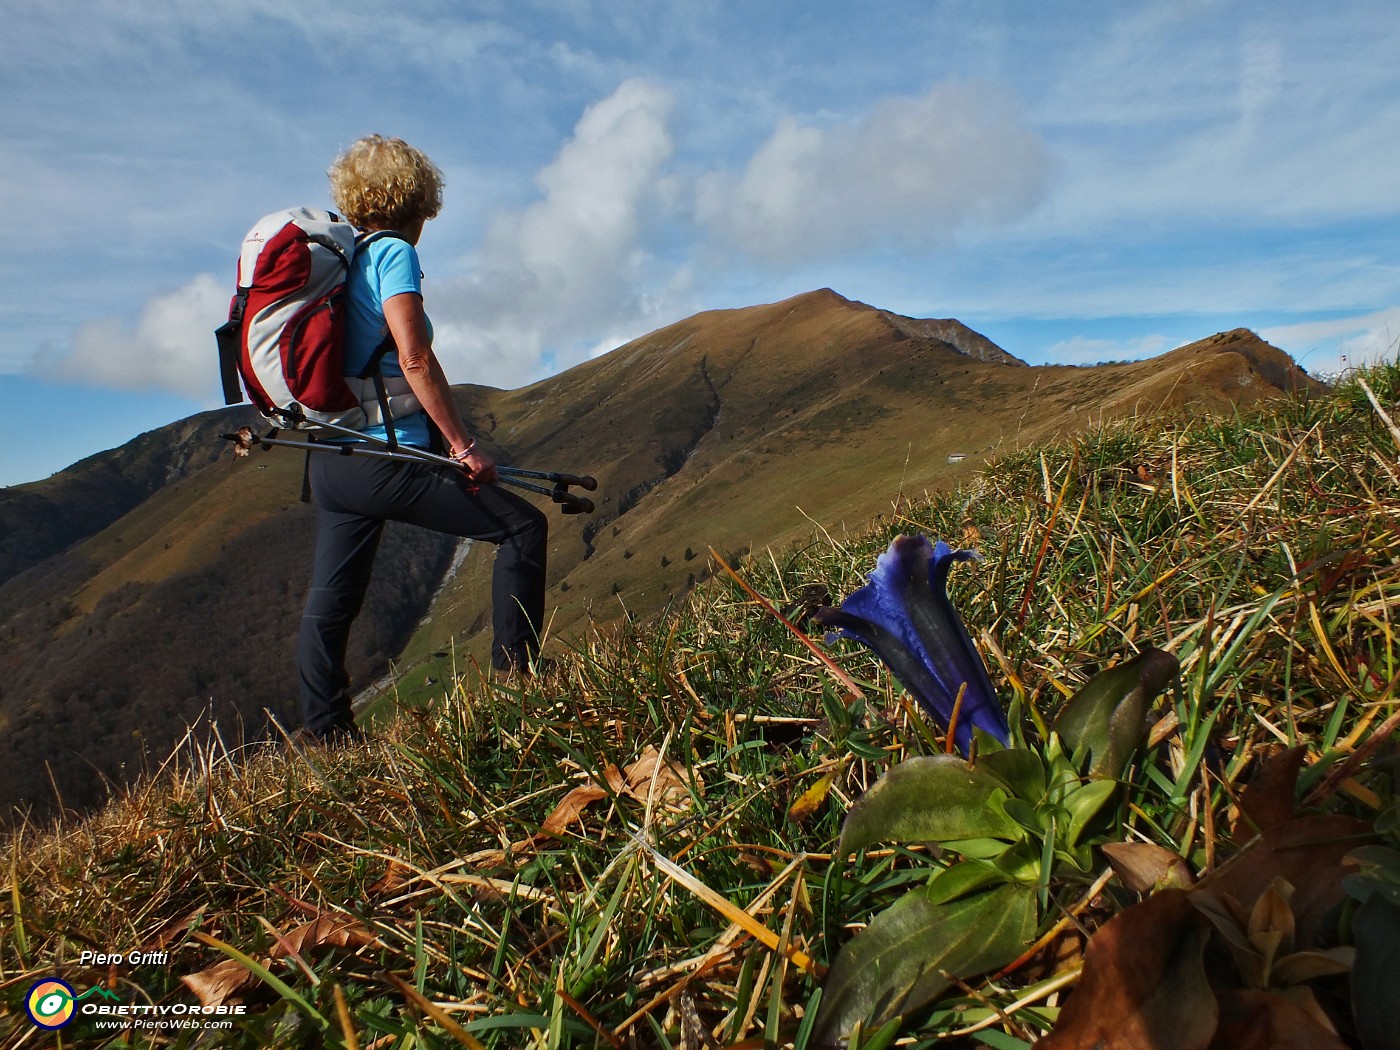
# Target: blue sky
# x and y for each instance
(1080, 182)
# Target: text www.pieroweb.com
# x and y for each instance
(174, 1017)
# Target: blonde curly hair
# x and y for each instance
(385, 184)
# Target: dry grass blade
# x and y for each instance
(1035, 995)
(1057, 503)
(439, 1016)
(1064, 922)
(347, 1023)
(501, 886)
(1265, 488)
(726, 907)
(1344, 770)
(801, 635)
(697, 966)
(1375, 403)
(587, 1018)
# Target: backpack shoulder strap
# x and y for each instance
(371, 236)
(387, 343)
(372, 368)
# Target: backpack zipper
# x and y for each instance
(299, 324)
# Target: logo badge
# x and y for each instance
(50, 1003)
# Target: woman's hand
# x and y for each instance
(480, 467)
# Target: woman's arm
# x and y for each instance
(409, 327)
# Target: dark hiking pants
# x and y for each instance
(355, 496)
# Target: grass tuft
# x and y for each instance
(404, 893)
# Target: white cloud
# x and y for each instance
(573, 266)
(1261, 79)
(170, 347)
(552, 284)
(1346, 342)
(911, 170)
(606, 346)
(1201, 117)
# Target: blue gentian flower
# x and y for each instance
(903, 613)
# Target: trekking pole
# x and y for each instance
(569, 502)
(582, 481)
(505, 474)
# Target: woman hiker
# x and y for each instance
(385, 184)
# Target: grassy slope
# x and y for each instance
(738, 429)
(748, 428)
(1262, 549)
(186, 604)
(40, 519)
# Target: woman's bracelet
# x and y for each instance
(460, 455)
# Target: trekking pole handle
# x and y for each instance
(576, 504)
(571, 503)
(582, 481)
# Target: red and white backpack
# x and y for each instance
(285, 334)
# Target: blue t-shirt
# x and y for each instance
(380, 270)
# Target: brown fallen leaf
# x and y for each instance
(1145, 867)
(229, 979)
(1307, 853)
(173, 929)
(571, 807)
(326, 930)
(396, 875)
(651, 777)
(219, 983)
(1144, 983)
(651, 768)
(1261, 943)
(1267, 801)
(1251, 1019)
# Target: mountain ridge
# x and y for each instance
(735, 429)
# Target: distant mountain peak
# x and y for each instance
(947, 331)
